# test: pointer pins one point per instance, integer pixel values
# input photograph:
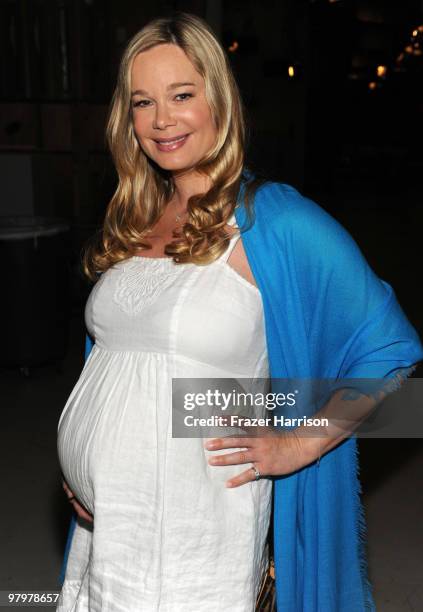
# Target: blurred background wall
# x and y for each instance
(321, 78)
(333, 90)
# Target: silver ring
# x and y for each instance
(256, 473)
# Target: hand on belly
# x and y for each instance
(78, 507)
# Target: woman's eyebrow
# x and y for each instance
(171, 86)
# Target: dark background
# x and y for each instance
(335, 130)
(341, 130)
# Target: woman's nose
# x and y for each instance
(163, 116)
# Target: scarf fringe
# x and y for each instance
(401, 375)
(369, 605)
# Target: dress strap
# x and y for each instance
(233, 240)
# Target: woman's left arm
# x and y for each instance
(282, 452)
(339, 320)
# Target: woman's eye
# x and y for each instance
(145, 103)
(139, 103)
(184, 94)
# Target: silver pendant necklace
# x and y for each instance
(179, 216)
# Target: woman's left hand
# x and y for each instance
(272, 455)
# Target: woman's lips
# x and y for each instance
(172, 145)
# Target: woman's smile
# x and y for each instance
(171, 144)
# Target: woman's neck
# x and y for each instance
(187, 185)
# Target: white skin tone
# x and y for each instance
(161, 111)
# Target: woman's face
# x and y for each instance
(169, 101)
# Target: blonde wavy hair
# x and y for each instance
(144, 189)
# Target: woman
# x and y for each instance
(181, 524)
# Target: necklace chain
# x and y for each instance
(179, 215)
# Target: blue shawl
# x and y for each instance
(327, 315)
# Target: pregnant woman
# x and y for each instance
(180, 525)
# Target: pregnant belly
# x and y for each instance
(115, 421)
(76, 440)
(116, 449)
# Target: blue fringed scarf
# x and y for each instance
(327, 315)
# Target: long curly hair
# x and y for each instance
(144, 189)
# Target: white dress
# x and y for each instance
(168, 536)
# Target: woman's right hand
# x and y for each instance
(79, 509)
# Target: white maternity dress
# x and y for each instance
(168, 536)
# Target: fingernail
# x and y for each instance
(210, 445)
(229, 484)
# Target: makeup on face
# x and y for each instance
(171, 115)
